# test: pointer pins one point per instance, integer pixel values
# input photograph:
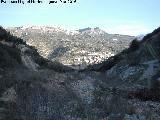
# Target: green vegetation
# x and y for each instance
(9, 57)
(134, 45)
(4, 35)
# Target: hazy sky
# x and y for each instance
(114, 16)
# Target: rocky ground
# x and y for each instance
(124, 87)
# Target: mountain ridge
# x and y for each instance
(124, 87)
(67, 44)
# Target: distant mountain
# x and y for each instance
(125, 86)
(75, 48)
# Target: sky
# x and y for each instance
(130, 17)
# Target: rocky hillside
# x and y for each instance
(75, 48)
(132, 77)
(124, 87)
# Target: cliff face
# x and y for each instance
(124, 87)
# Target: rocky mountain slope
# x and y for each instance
(75, 48)
(124, 87)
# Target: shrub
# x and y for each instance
(133, 59)
(148, 36)
(9, 57)
(134, 45)
(155, 83)
(3, 33)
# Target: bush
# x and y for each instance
(148, 36)
(4, 35)
(9, 57)
(134, 45)
(59, 67)
(155, 83)
(133, 58)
